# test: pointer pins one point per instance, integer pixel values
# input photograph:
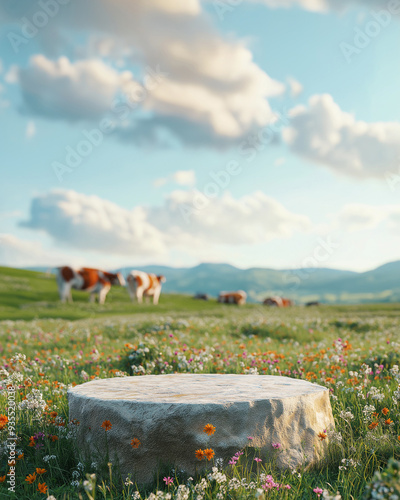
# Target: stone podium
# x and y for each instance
(167, 414)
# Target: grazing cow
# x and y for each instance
(238, 297)
(277, 302)
(93, 281)
(312, 304)
(141, 284)
(201, 296)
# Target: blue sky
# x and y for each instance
(312, 136)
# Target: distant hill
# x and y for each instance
(326, 285)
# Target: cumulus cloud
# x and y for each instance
(61, 89)
(257, 218)
(180, 177)
(296, 88)
(211, 85)
(325, 134)
(359, 217)
(17, 252)
(91, 223)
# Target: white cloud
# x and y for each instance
(30, 130)
(91, 223)
(180, 177)
(296, 88)
(325, 134)
(17, 252)
(61, 89)
(12, 75)
(359, 217)
(213, 92)
(191, 218)
(184, 177)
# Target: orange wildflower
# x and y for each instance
(322, 436)
(20, 457)
(385, 411)
(31, 478)
(373, 425)
(42, 487)
(135, 443)
(40, 471)
(3, 421)
(2, 479)
(32, 441)
(388, 421)
(209, 453)
(209, 429)
(54, 438)
(53, 414)
(199, 454)
(106, 425)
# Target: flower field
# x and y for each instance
(354, 353)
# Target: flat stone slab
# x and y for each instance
(167, 413)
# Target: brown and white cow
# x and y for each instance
(238, 297)
(141, 284)
(93, 281)
(277, 302)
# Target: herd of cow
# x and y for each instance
(97, 282)
(139, 284)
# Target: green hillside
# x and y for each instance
(29, 294)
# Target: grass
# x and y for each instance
(351, 350)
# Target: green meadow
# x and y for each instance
(47, 347)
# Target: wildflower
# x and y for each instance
(250, 438)
(42, 487)
(40, 471)
(257, 460)
(20, 457)
(199, 454)
(385, 411)
(388, 421)
(318, 491)
(32, 441)
(322, 436)
(209, 429)
(31, 478)
(3, 421)
(135, 443)
(53, 414)
(106, 425)
(209, 453)
(2, 479)
(168, 481)
(276, 446)
(373, 425)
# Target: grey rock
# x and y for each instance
(167, 413)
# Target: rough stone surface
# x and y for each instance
(167, 413)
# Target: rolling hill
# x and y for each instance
(330, 286)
